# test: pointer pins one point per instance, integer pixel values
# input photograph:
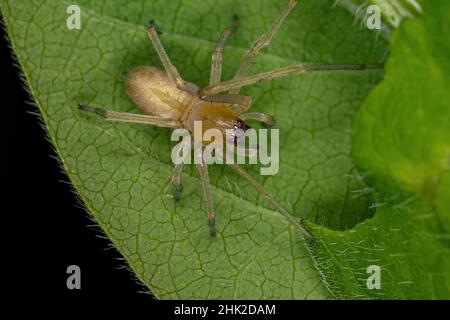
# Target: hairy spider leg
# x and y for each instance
(216, 64)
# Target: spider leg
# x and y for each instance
(216, 65)
(234, 99)
(260, 189)
(299, 68)
(176, 181)
(237, 102)
(172, 72)
(131, 117)
(262, 42)
(265, 119)
(203, 170)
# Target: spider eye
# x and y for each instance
(239, 124)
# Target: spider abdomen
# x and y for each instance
(155, 94)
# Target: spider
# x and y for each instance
(169, 101)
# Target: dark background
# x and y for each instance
(46, 230)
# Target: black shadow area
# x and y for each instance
(46, 230)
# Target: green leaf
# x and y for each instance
(401, 144)
(122, 171)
